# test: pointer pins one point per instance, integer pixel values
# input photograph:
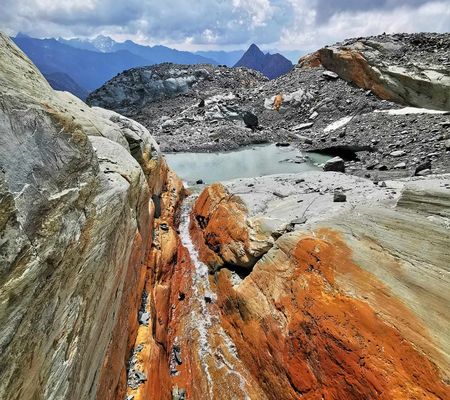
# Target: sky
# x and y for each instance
(224, 24)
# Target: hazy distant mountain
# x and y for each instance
(271, 65)
(62, 81)
(102, 44)
(83, 65)
(154, 54)
(90, 69)
(228, 58)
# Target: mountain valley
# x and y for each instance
(317, 268)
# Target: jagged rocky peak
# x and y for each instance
(270, 65)
(102, 43)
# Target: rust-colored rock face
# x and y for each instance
(161, 287)
(310, 60)
(399, 68)
(308, 322)
(302, 336)
(223, 234)
(353, 67)
(374, 64)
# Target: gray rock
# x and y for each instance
(336, 164)
(306, 125)
(422, 167)
(74, 199)
(330, 75)
(250, 120)
(339, 197)
(398, 153)
(144, 318)
(401, 165)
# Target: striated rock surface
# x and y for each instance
(412, 69)
(352, 303)
(76, 188)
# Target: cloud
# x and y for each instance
(286, 24)
(429, 16)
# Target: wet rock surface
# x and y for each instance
(321, 307)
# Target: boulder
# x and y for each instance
(400, 68)
(250, 120)
(339, 197)
(398, 153)
(336, 164)
(330, 75)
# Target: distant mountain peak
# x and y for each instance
(104, 44)
(254, 50)
(253, 46)
(22, 35)
(271, 65)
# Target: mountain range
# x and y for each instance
(83, 65)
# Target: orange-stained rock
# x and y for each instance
(302, 336)
(375, 65)
(308, 322)
(218, 222)
(278, 102)
(353, 67)
(162, 288)
(223, 232)
(157, 276)
(172, 195)
(310, 60)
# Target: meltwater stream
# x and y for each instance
(219, 358)
(249, 162)
(203, 319)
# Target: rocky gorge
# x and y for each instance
(118, 282)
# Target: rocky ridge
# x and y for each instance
(197, 107)
(77, 186)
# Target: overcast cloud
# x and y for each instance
(227, 24)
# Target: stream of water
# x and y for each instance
(219, 358)
(203, 319)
